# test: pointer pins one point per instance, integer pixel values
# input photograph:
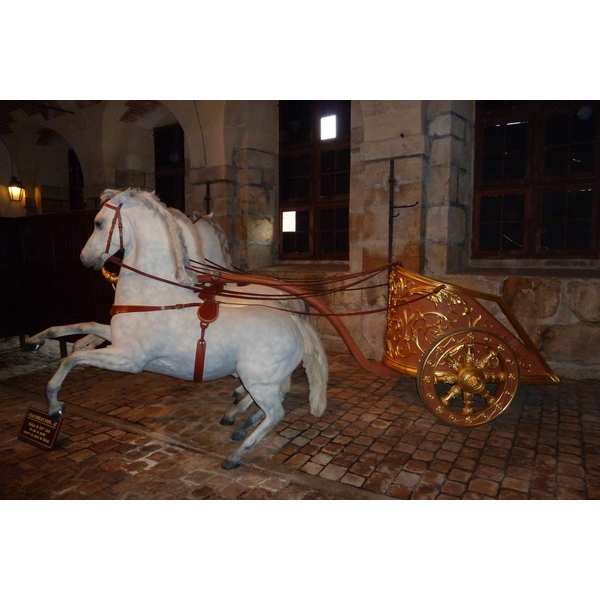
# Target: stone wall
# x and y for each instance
(411, 190)
(560, 311)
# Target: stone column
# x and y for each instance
(449, 186)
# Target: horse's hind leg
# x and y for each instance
(269, 399)
(239, 407)
(239, 394)
(241, 432)
(89, 342)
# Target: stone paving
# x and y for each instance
(149, 436)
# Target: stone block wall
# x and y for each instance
(558, 310)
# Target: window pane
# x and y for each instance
(327, 219)
(492, 167)
(302, 188)
(557, 131)
(328, 185)
(584, 126)
(580, 204)
(303, 220)
(288, 242)
(493, 139)
(295, 121)
(342, 181)
(516, 136)
(582, 158)
(552, 235)
(328, 162)
(491, 208)
(557, 161)
(288, 189)
(342, 241)
(342, 218)
(302, 243)
(579, 235)
(512, 236)
(554, 206)
(343, 159)
(566, 220)
(489, 237)
(513, 207)
(515, 165)
(328, 128)
(570, 143)
(327, 243)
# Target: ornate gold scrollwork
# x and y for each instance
(412, 328)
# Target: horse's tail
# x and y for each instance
(315, 364)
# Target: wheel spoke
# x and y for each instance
(444, 377)
(454, 391)
(467, 402)
(487, 397)
(482, 363)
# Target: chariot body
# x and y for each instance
(468, 365)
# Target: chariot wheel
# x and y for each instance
(468, 377)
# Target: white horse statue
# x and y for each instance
(206, 244)
(156, 327)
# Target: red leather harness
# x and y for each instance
(208, 309)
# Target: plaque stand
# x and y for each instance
(39, 430)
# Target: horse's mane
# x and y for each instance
(209, 220)
(150, 201)
(185, 223)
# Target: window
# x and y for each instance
(314, 178)
(537, 179)
(169, 165)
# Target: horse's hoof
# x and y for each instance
(57, 414)
(31, 347)
(228, 464)
(238, 435)
(227, 421)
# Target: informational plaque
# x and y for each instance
(39, 430)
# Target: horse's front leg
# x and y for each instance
(91, 327)
(113, 358)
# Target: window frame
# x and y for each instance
(535, 182)
(314, 148)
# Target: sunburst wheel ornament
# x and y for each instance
(468, 377)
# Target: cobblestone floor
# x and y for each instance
(148, 436)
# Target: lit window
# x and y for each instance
(328, 131)
(288, 221)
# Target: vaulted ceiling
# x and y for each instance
(55, 109)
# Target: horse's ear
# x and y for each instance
(122, 199)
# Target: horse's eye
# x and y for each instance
(98, 224)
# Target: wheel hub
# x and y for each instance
(471, 380)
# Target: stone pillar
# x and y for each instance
(256, 216)
(449, 186)
(222, 197)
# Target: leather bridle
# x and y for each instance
(116, 220)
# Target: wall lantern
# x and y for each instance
(16, 191)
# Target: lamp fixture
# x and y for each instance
(16, 191)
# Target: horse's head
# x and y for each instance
(109, 235)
